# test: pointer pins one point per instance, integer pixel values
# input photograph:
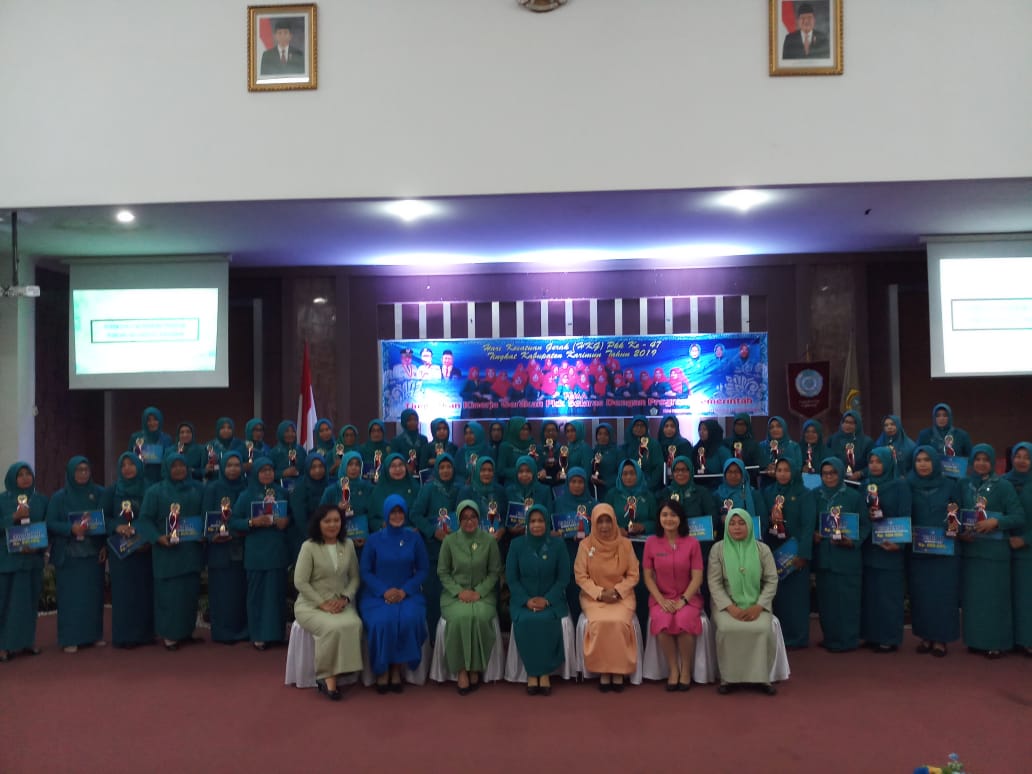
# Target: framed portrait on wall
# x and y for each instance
(281, 47)
(806, 37)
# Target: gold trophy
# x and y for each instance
(492, 516)
(21, 513)
(850, 458)
(874, 502)
(777, 518)
(227, 511)
(836, 522)
(564, 461)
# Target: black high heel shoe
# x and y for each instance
(333, 695)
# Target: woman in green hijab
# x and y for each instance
(440, 432)
(671, 445)
(743, 580)
(21, 575)
(778, 445)
(132, 575)
(605, 457)
(881, 610)
(375, 450)
(224, 441)
(985, 578)
(288, 456)
(710, 454)
(518, 443)
(1020, 541)
(255, 445)
(266, 552)
(440, 494)
(538, 573)
(394, 480)
(839, 563)
(741, 444)
(150, 444)
(791, 513)
(359, 491)
(177, 565)
(469, 567)
(812, 448)
(645, 452)
(851, 445)
(474, 446)
(78, 558)
(193, 452)
(578, 453)
(410, 443)
(486, 492)
(323, 439)
(227, 579)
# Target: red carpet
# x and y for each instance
(217, 708)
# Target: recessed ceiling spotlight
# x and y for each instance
(319, 300)
(409, 209)
(744, 199)
(124, 216)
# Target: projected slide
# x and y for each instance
(986, 307)
(145, 331)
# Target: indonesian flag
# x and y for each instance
(306, 416)
(788, 17)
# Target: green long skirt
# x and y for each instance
(267, 605)
(792, 607)
(1021, 590)
(881, 610)
(19, 607)
(838, 602)
(132, 600)
(985, 601)
(80, 601)
(469, 635)
(539, 637)
(175, 606)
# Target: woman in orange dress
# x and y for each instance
(606, 570)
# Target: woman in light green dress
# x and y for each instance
(469, 566)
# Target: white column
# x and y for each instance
(18, 374)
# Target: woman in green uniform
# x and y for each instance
(132, 574)
(21, 575)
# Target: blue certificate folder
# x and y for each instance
(96, 519)
(933, 540)
(516, 516)
(566, 524)
(357, 527)
(954, 467)
(785, 556)
(849, 525)
(279, 509)
(968, 519)
(152, 453)
(892, 530)
(701, 528)
(31, 536)
(212, 522)
(812, 480)
(121, 546)
(191, 529)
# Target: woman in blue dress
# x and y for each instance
(78, 559)
(227, 579)
(934, 580)
(394, 567)
(132, 575)
(21, 575)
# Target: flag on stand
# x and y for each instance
(851, 382)
(306, 416)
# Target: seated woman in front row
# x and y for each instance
(394, 567)
(326, 578)
(469, 566)
(607, 573)
(743, 580)
(538, 571)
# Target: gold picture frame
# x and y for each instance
(806, 37)
(282, 47)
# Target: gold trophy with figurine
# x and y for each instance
(173, 523)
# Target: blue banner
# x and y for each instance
(30, 536)
(892, 530)
(933, 540)
(702, 374)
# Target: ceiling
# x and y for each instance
(552, 231)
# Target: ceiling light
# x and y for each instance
(409, 209)
(744, 199)
(320, 300)
(124, 216)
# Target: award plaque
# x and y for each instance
(952, 520)
(777, 518)
(874, 503)
(22, 513)
(173, 522)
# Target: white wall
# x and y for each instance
(115, 102)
